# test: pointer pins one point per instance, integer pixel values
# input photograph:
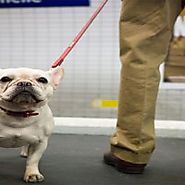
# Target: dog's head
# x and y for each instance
(25, 88)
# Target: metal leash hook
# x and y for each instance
(59, 61)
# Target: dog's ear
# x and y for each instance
(56, 75)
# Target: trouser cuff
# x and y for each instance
(130, 156)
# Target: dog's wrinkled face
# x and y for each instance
(25, 88)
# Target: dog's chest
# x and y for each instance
(17, 137)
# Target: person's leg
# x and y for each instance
(145, 34)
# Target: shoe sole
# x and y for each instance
(126, 170)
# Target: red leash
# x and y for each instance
(59, 61)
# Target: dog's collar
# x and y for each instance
(24, 114)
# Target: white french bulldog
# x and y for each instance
(25, 118)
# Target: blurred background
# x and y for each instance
(35, 37)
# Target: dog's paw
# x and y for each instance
(34, 178)
(24, 152)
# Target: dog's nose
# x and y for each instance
(24, 84)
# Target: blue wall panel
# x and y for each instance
(41, 3)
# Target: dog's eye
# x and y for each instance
(42, 80)
(6, 79)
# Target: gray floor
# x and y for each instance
(75, 159)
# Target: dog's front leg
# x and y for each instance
(35, 152)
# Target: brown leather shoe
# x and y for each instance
(123, 166)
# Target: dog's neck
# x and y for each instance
(23, 114)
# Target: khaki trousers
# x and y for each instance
(145, 31)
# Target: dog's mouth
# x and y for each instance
(26, 95)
